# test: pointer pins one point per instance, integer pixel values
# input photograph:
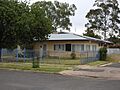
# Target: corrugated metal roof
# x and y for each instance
(71, 36)
(96, 39)
(66, 37)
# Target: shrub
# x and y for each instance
(73, 55)
(103, 53)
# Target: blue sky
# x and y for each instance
(79, 20)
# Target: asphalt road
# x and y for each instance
(116, 65)
(18, 80)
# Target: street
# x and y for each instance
(20, 80)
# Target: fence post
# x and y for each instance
(24, 54)
(17, 55)
(0, 54)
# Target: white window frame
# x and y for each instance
(59, 47)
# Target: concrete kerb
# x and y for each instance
(106, 64)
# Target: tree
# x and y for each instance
(35, 26)
(91, 33)
(104, 18)
(7, 23)
(59, 13)
(21, 24)
(114, 39)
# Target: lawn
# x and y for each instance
(97, 63)
(61, 61)
(49, 68)
(50, 65)
(46, 65)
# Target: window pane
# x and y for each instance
(82, 47)
(73, 48)
(87, 47)
(68, 47)
(59, 47)
(94, 47)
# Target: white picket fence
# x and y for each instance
(113, 51)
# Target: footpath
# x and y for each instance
(96, 72)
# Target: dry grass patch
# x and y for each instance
(113, 58)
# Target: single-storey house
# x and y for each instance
(63, 44)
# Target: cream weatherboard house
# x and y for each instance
(63, 44)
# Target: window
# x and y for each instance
(94, 47)
(78, 47)
(87, 47)
(73, 48)
(59, 47)
(82, 47)
(68, 47)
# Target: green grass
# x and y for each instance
(46, 65)
(50, 68)
(61, 61)
(97, 63)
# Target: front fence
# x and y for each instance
(84, 57)
(50, 57)
(90, 56)
(16, 55)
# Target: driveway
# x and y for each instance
(92, 71)
(116, 65)
(18, 80)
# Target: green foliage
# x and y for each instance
(8, 14)
(58, 13)
(73, 55)
(103, 53)
(114, 39)
(91, 33)
(22, 24)
(105, 18)
(36, 26)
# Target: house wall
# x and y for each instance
(63, 54)
(50, 44)
(50, 48)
